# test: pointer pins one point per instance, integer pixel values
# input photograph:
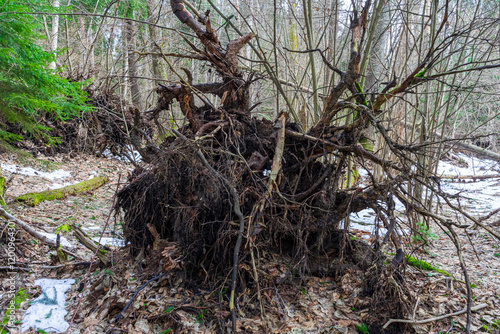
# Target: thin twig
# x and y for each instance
(25, 226)
(424, 321)
(118, 317)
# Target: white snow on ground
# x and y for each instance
(129, 150)
(362, 172)
(57, 174)
(479, 197)
(475, 166)
(108, 241)
(364, 220)
(93, 227)
(63, 240)
(48, 310)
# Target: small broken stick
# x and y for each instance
(90, 244)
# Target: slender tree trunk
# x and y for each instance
(126, 80)
(83, 46)
(276, 69)
(153, 34)
(310, 44)
(55, 33)
(132, 63)
(370, 59)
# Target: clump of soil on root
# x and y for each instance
(294, 226)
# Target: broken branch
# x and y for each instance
(424, 321)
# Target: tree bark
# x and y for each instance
(132, 63)
(153, 34)
(55, 33)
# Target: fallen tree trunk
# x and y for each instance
(32, 199)
(471, 148)
(25, 226)
(469, 177)
(2, 185)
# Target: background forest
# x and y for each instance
(119, 45)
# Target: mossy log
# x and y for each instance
(32, 199)
(424, 265)
(420, 264)
(2, 185)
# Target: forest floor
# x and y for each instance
(313, 305)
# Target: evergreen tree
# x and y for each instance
(28, 88)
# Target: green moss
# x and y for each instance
(20, 297)
(424, 265)
(360, 91)
(354, 177)
(32, 199)
(2, 185)
(421, 73)
(21, 155)
(366, 143)
(26, 159)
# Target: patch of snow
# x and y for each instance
(29, 171)
(53, 237)
(364, 220)
(108, 241)
(48, 310)
(362, 172)
(93, 174)
(129, 150)
(475, 166)
(478, 197)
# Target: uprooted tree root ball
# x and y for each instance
(187, 203)
(236, 194)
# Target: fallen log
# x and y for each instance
(34, 232)
(469, 177)
(471, 148)
(32, 199)
(2, 186)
